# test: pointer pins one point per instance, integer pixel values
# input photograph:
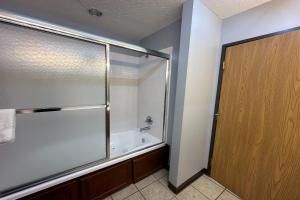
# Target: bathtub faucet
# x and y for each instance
(145, 128)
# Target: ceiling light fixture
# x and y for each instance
(95, 12)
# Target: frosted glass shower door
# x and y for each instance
(41, 70)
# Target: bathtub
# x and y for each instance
(129, 141)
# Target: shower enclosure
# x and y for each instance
(80, 100)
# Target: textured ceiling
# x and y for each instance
(127, 20)
(130, 20)
(227, 8)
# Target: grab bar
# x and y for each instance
(55, 109)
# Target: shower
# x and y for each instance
(76, 96)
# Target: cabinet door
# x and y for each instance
(146, 164)
(107, 181)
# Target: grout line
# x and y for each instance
(174, 195)
(226, 189)
(140, 190)
(216, 182)
(197, 189)
(205, 194)
(213, 181)
(163, 184)
(201, 193)
(142, 195)
(123, 189)
(221, 193)
(134, 194)
(135, 187)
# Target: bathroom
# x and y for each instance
(149, 100)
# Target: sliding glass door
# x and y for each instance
(57, 85)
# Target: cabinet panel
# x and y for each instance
(146, 164)
(65, 191)
(101, 184)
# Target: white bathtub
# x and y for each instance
(125, 142)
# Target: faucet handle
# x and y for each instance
(149, 120)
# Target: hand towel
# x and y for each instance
(7, 125)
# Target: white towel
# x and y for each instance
(7, 125)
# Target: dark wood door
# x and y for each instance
(257, 144)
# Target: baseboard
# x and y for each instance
(178, 189)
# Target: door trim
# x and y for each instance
(220, 78)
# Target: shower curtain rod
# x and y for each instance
(13, 18)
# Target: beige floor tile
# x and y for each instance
(227, 195)
(208, 187)
(164, 181)
(135, 196)
(107, 198)
(161, 173)
(145, 182)
(156, 191)
(126, 192)
(190, 193)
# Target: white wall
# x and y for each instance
(167, 40)
(151, 93)
(199, 44)
(124, 92)
(274, 16)
(137, 90)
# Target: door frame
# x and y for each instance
(219, 86)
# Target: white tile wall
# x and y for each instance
(137, 90)
(151, 93)
(123, 92)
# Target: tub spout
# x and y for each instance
(145, 128)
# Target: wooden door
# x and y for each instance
(257, 144)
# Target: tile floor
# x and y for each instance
(155, 187)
